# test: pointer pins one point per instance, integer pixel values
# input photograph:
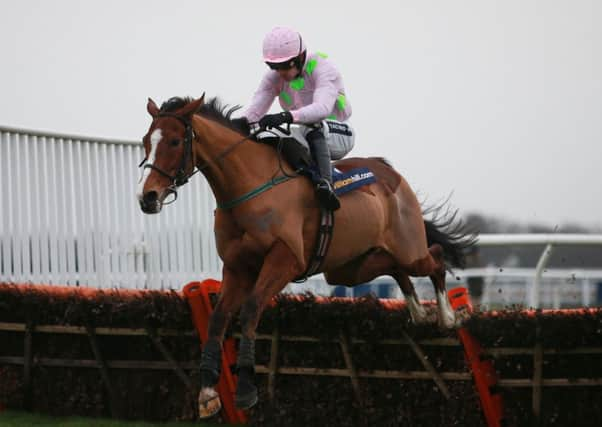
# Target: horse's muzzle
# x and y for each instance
(150, 203)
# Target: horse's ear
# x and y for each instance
(192, 107)
(152, 108)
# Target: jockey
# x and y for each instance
(311, 93)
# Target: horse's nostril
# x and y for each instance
(150, 197)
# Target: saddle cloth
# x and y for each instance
(344, 182)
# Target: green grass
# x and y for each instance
(24, 419)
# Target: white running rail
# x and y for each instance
(69, 216)
(549, 243)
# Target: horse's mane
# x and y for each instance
(213, 110)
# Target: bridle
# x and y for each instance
(181, 177)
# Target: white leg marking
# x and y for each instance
(417, 311)
(155, 138)
(447, 318)
(209, 403)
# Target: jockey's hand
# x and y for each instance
(274, 120)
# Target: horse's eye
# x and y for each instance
(174, 142)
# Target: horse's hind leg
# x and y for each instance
(433, 266)
(447, 318)
(417, 311)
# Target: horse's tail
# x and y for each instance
(453, 235)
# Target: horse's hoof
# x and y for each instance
(447, 322)
(246, 401)
(209, 403)
(426, 316)
(421, 321)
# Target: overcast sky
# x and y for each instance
(498, 102)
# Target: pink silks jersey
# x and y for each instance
(317, 95)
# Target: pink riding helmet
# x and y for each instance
(282, 44)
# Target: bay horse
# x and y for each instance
(265, 227)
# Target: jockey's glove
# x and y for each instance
(273, 120)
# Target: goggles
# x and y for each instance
(286, 65)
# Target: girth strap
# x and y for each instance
(323, 240)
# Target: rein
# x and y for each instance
(181, 177)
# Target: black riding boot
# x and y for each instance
(321, 154)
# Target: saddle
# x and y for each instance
(295, 149)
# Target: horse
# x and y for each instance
(267, 220)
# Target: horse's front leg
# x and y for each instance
(236, 285)
(279, 268)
